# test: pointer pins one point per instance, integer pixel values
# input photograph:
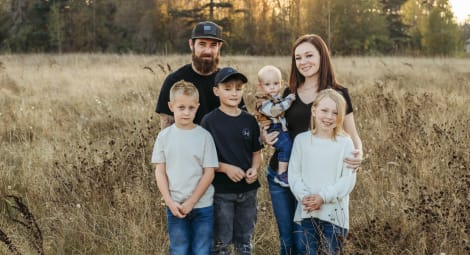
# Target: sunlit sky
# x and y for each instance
(461, 9)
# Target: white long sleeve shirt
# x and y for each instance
(316, 167)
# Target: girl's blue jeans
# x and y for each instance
(323, 237)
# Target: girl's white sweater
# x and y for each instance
(316, 167)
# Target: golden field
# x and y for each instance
(76, 135)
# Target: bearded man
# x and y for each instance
(205, 43)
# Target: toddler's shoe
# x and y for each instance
(282, 180)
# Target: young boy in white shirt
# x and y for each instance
(185, 158)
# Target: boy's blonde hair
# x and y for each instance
(183, 88)
(340, 108)
(269, 68)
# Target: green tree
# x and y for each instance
(396, 27)
(358, 27)
(414, 16)
(5, 24)
(317, 18)
(441, 36)
(28, 31)
(56, 25)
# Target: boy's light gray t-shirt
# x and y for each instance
(186, 153)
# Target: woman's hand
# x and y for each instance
(354, 162)
(269, 138)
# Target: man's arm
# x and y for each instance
(166, 116)
(166, 120)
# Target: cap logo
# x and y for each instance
(209, 30)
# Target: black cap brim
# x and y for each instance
(207, 37)
(230, 76)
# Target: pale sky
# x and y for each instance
(461, 9)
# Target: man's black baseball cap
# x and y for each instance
(207, 30)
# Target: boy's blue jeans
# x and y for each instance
(192, 234)
(283, 144)
(291, 236)
(323, 237)
(235, 219)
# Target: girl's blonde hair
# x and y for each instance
(340, 108)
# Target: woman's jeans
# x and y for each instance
(323, 237)
(291, 236)
(192, 234)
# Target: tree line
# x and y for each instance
(258, 27)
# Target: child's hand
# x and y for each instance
(187, 207)
(176, 209)
(312, 202)
(235, 174)
(251, 175)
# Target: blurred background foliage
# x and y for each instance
(255, 27)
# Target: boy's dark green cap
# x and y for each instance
(228, 72)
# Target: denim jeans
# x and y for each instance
(323, 237)
(192, 234)
(291, 235)
(283, 144)
(235, 219)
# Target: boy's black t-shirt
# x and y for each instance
(298, 118)
(204, 84)
(236, 138)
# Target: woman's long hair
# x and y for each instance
(327, 76)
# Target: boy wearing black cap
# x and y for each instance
(205, 44)
(237, 139)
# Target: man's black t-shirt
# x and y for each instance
(204, 84)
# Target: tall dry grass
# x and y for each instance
(77, 131)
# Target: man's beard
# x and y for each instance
(204, 65)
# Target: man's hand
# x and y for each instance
(251, 175)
